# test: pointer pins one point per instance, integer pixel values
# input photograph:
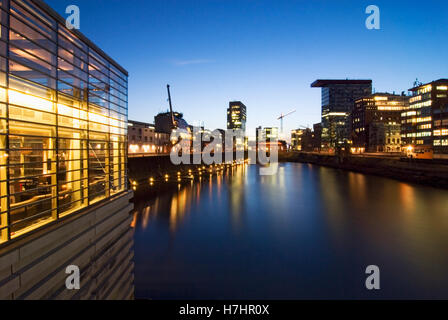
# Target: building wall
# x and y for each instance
(139, 132)
(425, 122)
(296, 139)
(302, 140)
(144, 140)
(440, 119)
(337, 104)
(317, 137)
(376, 122)
(98, 240)
(384, 137)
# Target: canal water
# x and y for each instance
(308, 232)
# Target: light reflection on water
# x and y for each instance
(307, 232)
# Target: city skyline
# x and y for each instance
(107, 192)
(194, 48)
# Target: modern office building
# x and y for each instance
(425, 122)
(376, 123)
(236, 116)
(338, 97)
(302, 140)
(63, 127)
(296, 139)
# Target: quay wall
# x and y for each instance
(422, 171)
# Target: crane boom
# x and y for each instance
(281, 118)
(284, 115)
(173, 124)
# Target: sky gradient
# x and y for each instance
(264, 53)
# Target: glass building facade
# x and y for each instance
(425, 121)
(63, 120)
(338, 98)
(236, 116)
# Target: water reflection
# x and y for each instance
(307, 232)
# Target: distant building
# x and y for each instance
(282, 145)
(140, 132)
(144, 140)
(317, 138)
(375, 123)
(206, 137)
(307, 140)
(302, 140)
(296, 139)
(258, 134)
(269, 135)
(163, 122)
(223, 138)
(425, 122)
(338, 97)
(384, 137)
(236, 116)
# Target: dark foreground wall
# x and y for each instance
(429, 172)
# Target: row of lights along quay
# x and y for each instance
(186, 174)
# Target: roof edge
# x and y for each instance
(324, 82)
(427, 84)
(55, 15)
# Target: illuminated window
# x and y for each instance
(63, 124)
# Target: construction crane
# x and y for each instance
(281, 119)
(173, 123)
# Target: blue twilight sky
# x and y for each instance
(265, 53)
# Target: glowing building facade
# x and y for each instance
(143, 140)
(425, 121)
(63, 120)
(376, 123)
(236, 116)
(338, 98)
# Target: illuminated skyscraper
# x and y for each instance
(236, 116)
(338, 97)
